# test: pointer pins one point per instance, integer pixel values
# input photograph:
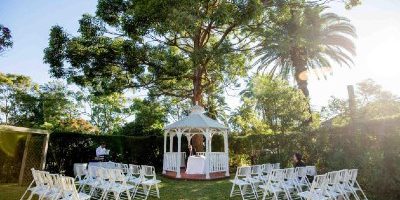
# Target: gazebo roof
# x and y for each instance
(196, 120)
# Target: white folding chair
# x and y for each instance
(302, 179)
(290, 183)
(55, 189)
(81, 171)
(101, 184)
(275, 185)
(243, 173)
(69, 190)
(333, 186)
(90, 180)
(41, 186)
(353, 186)
(118, 185)
(133, 173)
(317, 190)
(148, 179)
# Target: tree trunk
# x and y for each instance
(301, 76)
(197, 140)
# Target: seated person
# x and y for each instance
(102, 152)
(298, 160)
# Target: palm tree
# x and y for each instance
(303, 38)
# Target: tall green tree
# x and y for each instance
(301, 39)
(280, 106)
(149, 118)
(11, 85)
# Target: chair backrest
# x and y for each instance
(333, 178)
(243, 172)
(276, 165)
(290, 174)
(81, 170)
(39, 177)
(319, 183)
(352, 175)
(92, 171)
(267, 168)
(148, 172)
(103, 174)
(311, 170)
(256, 170)
(134, 169)
(301, 172)
(277, 175)
(125, 168)
(68, 187)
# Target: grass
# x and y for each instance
(169, 189)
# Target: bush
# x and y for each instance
(65, 149)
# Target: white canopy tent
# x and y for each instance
(196, 123)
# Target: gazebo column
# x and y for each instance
(179, 158)
(226, 152)
(171, 142)
(165, 148)
(189, 139)
(208, 136)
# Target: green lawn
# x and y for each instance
(169, 189)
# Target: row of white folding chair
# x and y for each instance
(139, 177)
(270, 181)
(335, 185)
(111, 182)
(284, 182)
(53, 186)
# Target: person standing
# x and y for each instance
(102, 152)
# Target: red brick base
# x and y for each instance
(184, 176)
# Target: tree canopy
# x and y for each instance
(174, 48)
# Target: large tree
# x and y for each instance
(302, 38)
(175, 48)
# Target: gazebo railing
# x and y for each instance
(171, 161)
(218, 161)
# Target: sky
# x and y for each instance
(377, 23)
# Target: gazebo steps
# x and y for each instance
(195, 177)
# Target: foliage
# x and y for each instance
(107, 112)
(149, 118)
(279, 106)
(301, 38)
(5, 38)
(372, 101)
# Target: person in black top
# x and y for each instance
(298, 160)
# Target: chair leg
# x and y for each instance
(362, 192)
(158, 191)
(232, 190)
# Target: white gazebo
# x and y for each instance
(196, 123)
